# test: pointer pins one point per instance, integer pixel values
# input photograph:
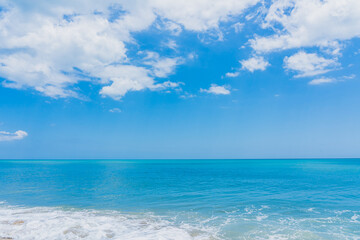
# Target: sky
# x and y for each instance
(179, 79)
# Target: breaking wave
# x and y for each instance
(44, 223)
(250, 223)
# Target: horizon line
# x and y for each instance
(305, 158)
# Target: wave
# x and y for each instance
(249, 223)
(44, 223)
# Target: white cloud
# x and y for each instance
(218, 90)
(161, 66)
(352, 76)
(232, 74)
(320, 81)
(171, 44)
(124, 78)
(305, 23)
(7, 136)
(200, 15)
(174, 28)
(255, 63)
(308, 64)
(51, 54)
(46, 54)
(167, 85)
(187, 95)
(115, 110)
(238, 27)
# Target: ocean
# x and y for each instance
(180, 199)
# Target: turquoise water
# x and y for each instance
(180, 199)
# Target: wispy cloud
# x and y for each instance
(238, 27)
(115, 110)
(320, 81)
(170, 44)
(7, 136)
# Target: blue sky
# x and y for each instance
(165, 79)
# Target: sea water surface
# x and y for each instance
(180, 199)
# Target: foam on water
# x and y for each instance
(246, 200)
(42, 223)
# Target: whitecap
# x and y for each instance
(355, 218)
(261, 217)
(43, 223)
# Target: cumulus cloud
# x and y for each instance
(306, 23)
(124, 78)
(49, 56)
(53, 45)
(217, 90)
(255, 63)
(7, 136)
(320, 81)
(200, 15)
(308, 64)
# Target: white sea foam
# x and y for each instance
(42, 223)
(46, 223)
(261, 217)
(355, 218)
